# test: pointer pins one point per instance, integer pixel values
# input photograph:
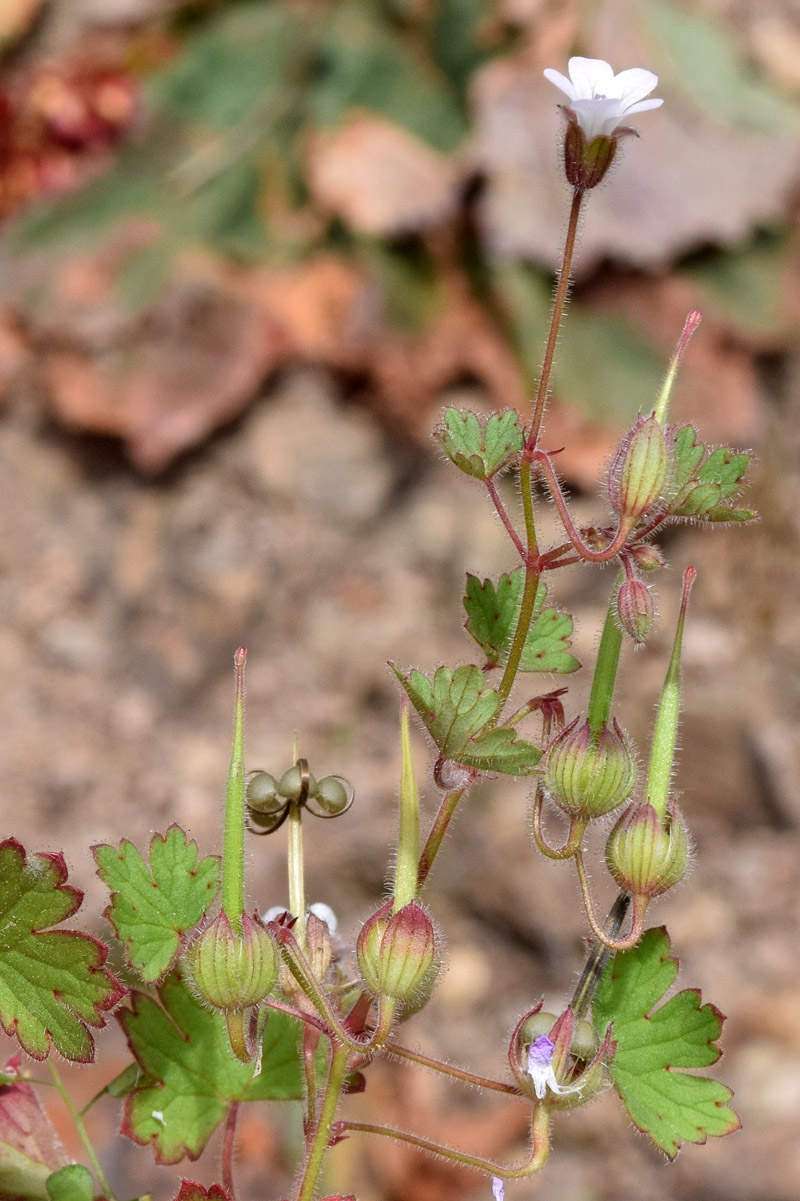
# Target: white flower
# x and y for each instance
(601, 100)
(540, 1069)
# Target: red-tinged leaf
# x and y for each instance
(29, 1147)
(53, 983)
(191, 1191)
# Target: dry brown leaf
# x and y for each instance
(381, 179)
(687, 181)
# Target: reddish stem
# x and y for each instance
(228, 1144)
(504, 517)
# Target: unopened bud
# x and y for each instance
(639, 470)
(231, 971)
(644, 856)
(588, 774)
(397, 952)
(318, 945)
(647, 557)
(585, 163)
(635, 609)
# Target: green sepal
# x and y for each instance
(153, 904)
(456, 708)
(73, 1182)
(671, 1105)
(480, 449)
(492, 611)
(723, 513)
(190, 1077)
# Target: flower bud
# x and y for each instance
(318, 945)
(586, 162)
(635, 609)
(639, 470)
(588, 775)
(231, 971)
(397, 952)
(647, 557)
(644, 856)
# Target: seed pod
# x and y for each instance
(644, 856)
(231, 971)
(397, 952)
(262, 794)
(587, 775)
(639, 470)
(332, 796)
(292, 782)
(635, 609)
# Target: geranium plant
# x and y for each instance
(233, 1007)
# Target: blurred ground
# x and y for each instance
(326, 535)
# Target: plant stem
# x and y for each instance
(228, 1145)
(447, 1069)
(637, 920)
(233, 837)
(529, 591)
(586, 552)
(540, 1148)
(502, 513)
(605, 670)
(598, 958)
(297, 891)
(555, 320)
(447, 808)
(330, 1103)
(82, 1132)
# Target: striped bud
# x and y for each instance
(586, 774)
(397, 952)
(644, 856)
(635, 609)
(231, 971)
(639, 470)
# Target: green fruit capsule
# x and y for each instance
(332, 796)
(231, 971)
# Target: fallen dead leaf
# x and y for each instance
(381, 179)
(16, 18)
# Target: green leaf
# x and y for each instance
(363, 63)
(698, 56)
(191, 1076)
(53, 983)
(153, 904)
(281, 1078)
(652, 1045)
(688, 455)
(725, 514)
(456, 709)
(480, 449)
(726, 469)
(702, 480)
(492, 611)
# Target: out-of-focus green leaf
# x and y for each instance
(230, 68)
(363, 63)
(456, 38)
(746, 287)
(604, 366)
(697, 55)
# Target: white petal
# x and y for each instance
(591, 77)
(597, 117)
(642, 107)
(560, 81)
(634, 84)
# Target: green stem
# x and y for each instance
(598, 958)
(330, 1103)
(540, 1148)
(555, 320)
(447, 809)
(233, 837)
(82, 1132)
(297, 888)
(665, 732)
(605, 669)
(447, 1069)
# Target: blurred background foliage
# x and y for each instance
(373, 185)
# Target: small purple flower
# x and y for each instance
(498, 1191)
(540, 1068)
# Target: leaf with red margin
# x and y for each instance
(190, 1191)
(29, 1146)
(53, 983)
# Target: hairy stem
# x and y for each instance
(228, 1145)
(637, 920)
(605, 671)
(540, 1146)
(324, 1126)
(598, 958)
(502, 513)
(447, 1069)
(572, 843)
(82, 1132)
(447, 808)
(586, 552)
